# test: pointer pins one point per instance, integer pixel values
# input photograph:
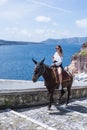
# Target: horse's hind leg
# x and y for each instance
(68, 96)
(50, 100)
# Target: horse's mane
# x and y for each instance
(49, 67)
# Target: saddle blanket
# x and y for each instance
(65, 75)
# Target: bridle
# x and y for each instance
(39, 69)
(42, 69)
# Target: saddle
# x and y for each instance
(65, 75)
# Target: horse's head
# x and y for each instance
(38, 70)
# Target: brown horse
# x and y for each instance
(50, 81)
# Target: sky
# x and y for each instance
(38, 20)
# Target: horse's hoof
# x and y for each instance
(48, 108)
(50, 111)
(66, 105)
(58, 102)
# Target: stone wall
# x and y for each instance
(21, 99)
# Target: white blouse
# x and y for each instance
(57, 58)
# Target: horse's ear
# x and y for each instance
(42, 61)
(34, 61)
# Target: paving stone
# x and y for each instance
(72, 117)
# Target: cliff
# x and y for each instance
(79, 60)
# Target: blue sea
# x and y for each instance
(16, 60)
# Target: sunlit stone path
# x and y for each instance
(72, 117)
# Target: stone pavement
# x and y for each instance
(71, 117)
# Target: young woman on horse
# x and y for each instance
(45, 71)
(57, 62)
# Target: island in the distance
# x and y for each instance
(73, 40)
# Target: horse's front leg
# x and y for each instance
(50, 100)
(61, 95)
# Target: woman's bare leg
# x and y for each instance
(60, 76)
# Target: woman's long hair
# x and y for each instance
(60, 49)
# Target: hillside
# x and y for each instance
(73, 40)
(4, 42)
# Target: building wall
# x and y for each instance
(79, 61)
(78, 64)
(82, 64)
